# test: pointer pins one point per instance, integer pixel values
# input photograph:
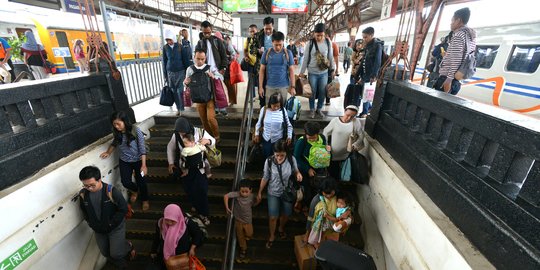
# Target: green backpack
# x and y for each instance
(318, 157)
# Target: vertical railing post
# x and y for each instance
(110, 41)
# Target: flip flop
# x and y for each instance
(269, 244)
(282, 235)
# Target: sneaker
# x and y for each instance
(205, 220)
(224, 113)
(320, 114)
(312, 114)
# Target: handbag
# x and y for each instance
(244, 65)
(236, 74)
(333, 89)
(219, 94)
(214, 156)
(353, 137)
(302, 87)
(256, 155)
(49, 67)
(289, 193)
(369, 92)
(166, 97)
(187, 97)
(178, 262)
(196, 264)
(345, 174)
(359, 168)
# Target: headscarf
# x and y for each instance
(171, 234)
(182, 125)
(31, 44)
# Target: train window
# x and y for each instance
(485, 56)
(524, 58)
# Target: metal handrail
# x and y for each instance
(241, 157)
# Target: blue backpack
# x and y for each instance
(293, 108)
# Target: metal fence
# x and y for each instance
(142, 78)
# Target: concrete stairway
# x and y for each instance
(164, 189)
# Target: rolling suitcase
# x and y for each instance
(333, 255)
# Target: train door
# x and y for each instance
(63, 42)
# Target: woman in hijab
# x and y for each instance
(34, 56)
(175, 235)
(195, 180)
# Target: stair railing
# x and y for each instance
(240, 167)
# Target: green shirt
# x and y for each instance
(347, 54)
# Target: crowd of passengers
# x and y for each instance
(312, 164)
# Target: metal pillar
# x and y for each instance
(110, 41)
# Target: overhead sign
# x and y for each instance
(240, 6)
(389, 9)
(289, 6)
(61, 52)
(73, 6)
(190, 5)
(19, 256)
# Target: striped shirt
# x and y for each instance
(462, 38)
(133, 151)
(272, 126)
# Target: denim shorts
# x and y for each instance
(275, 204)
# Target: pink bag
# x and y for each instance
(187, 97)
(220, 96)
(369, 91)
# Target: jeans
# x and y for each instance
(346, 64)
(176, 83)
(126, 171)
(207, 114)
(114, 246)
(365, 107)
(268, 147)
(318, 84)
(271, 90)
(276, 204)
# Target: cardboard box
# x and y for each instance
(305, 254)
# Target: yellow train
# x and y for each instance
(132, 38)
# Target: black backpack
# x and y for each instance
(199, 85)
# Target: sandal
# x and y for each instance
(269, 244)
(132, 252)
(242, 254)
(282, 235)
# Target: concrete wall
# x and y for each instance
(403, 228)
(42, 208)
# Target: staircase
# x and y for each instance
(163, 190)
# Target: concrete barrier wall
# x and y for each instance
(42, 209)
(404, 229)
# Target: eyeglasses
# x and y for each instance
(91, 186)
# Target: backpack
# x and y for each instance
(199, 223)
(314, 43)
(130, 211)
(199, 85)
(136, 136)
(293, 106)
(318, 156)
(468, 62)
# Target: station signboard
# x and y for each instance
(190, 5)
(240, 6)
(289, 6)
